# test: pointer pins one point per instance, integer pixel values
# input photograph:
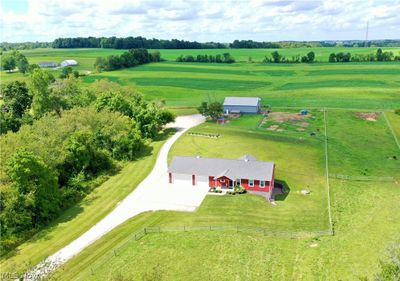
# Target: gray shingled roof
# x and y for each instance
(241, 101)
(246, 167)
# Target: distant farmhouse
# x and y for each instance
(247, 171)
(68, 63)
(47, 64)
(242, 105)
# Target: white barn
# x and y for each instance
(68, 63)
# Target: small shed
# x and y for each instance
(68, 63)
(47, 64)
(242, 105)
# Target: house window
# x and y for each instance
(238, 182)
(262, 183)
(251, 183)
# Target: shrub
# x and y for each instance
(397, 111)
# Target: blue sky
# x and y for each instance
(201, 20)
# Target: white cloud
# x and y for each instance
(206, 20)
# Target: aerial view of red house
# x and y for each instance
(246, 171)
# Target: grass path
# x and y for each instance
(327, 175)
(79, 218)
(391, 129)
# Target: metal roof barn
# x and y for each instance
(245, 105)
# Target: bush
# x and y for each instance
(397, 111)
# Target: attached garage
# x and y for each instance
(181, 179)
(201, 180)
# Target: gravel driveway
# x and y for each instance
(152, 194)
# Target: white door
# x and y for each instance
(202, 180)
(182, 179)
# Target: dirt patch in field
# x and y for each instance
(287, 116)
(273, 127)
(300, 129)
(304, 124)
(368, 116)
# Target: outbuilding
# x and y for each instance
(47, 64)
(247, 171)
(68, 63)
(242, 105)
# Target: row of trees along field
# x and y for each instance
(141, 42)
(224, 58)
(60, 140)
(131, 43)
(130, 58)
(380, 55)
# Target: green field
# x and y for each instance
(363, 162)
(366, 214)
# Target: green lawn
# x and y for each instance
(79, 218)
(360, 147)
(366, 215)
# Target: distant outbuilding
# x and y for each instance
(47, 64)
(242, 105)
(68, 63)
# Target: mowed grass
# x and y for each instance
(366, 218)
(358, 147)
(79, 218)
(363, 229)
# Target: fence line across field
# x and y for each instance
(362, 178)
(152, 230)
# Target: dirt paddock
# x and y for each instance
(369, 116)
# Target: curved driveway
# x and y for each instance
(153, 193)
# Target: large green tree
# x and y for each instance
(16, 102)
(8, 62)
(39, 87)
(35, 182)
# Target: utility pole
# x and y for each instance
(366, 36)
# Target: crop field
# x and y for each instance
(365, 212)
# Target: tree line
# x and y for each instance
(276, 57)
(131, 58)
(142, 42)
(219, 58)
(378, 56)
(131, 43)
(61, 140)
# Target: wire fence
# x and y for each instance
(362, 178)
(153, 230)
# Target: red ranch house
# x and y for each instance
(246, 171)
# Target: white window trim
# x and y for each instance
(251, 183)
(262, 184)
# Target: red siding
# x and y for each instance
(224, 181)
